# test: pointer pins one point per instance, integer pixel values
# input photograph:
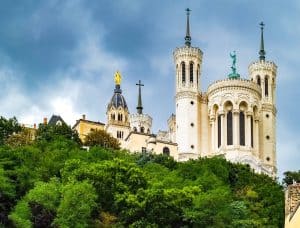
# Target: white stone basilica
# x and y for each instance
(235, 118)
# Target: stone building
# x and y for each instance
(292, 206)
(235, 118)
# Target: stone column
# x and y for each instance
(248, 129)
(212, 131)
(236, 132)
(256, 136)
(223, 143)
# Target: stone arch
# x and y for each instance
(191, 71)
(258, 80)
(183, 71)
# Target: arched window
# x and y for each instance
(242, 129)
(134, 129)
(258, 80)
(229, 128)
(148, 131)
(266, 87)
(191, 72)
(113, 116)
(219, 131)
(142, 129)
(166, 151)
(121, 118)
(183, 72)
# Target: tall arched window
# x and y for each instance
(242, 129)
(183, 72)
(258, 80)
(191, 72)
(229, 128)
(266, 87)
(166, 151)
(219, 131)
(142, 129)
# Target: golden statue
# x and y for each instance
(118, 78)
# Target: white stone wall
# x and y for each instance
(139, 121)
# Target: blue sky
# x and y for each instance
(59, 57)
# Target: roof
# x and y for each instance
(87, 121)
(117, 99)
(56, 120)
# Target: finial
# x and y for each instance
(233, 74)
(118, 78)
(262, 51)
(139, 106)
(188, 37)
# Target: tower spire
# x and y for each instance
(262, 51)
(188, 37)
(139, 107)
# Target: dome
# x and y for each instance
(117, 99)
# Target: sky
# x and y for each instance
(59, 57)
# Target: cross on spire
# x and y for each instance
(262, 51)
(139, 106)
(188, 37)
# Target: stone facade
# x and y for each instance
(292, 206)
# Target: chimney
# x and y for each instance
(45, 121)
(34, 125)
(83, 116)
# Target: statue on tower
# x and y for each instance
(118, 78)
(233, 74)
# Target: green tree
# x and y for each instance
(290, 177)
(8, 127)
(22, 138)
(48, 132)
(101, 138)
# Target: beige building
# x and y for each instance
(292, 206)
(234, 118)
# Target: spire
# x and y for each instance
(139, 107)
(188, 37)
(262, 52)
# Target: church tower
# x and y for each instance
(263, 73)
(140, 122)
(117, 113)
(187, 61)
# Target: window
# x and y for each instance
(192, 146)
(120, 134)
(242, 129)
(191, 72)
(192, 102)
(166, 151)
(183, 72)
(252, 132)
(266, 87)
(134, 129)
(219, 131)
(144, 150)
(229, 128)
(267, 137)
(192, 124)
(148, 131)
(258, 81)
(142, 129)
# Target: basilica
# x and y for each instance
(235, 118)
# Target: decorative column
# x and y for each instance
(236, 132)
(212, 128)
(223, 132)
(248, 129)
(256, 136)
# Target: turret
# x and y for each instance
(117, 112)
(263, 73)
(187, 61)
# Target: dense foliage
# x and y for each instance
(101, 138)
(54, 183)
(290, 177)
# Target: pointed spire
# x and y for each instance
(139, 107)
(188, 37)
(262, 51)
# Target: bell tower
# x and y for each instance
(264, 73)
(188, 62)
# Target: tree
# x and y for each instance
(48, 132)
(24, 137)
(8, 127)
(290, 177)
(101, 138)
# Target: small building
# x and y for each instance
(292, 206)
